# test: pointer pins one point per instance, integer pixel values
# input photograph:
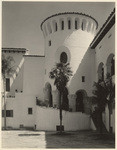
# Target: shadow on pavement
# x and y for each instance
(28, 134)
(79, 139)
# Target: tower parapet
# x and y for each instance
(68, 21)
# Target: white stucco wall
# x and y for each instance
(34, 76)
(33, 79)
(20, 105)
(107, 47)
(16, 81)
(87, 69)
(48, 119)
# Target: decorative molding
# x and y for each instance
(33, 56)
(17, 50)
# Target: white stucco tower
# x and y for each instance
(67, 38)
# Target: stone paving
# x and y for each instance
(41, 139)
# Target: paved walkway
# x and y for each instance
(40, 139)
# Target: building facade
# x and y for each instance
(69, 38)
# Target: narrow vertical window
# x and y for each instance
(62, 25)
(75, 24)
(112, 66)
(102, 74)
(82, 26)
(55, 26)
(69, 24)
(83, 78)
(7, 84)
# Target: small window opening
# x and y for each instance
(49, 43)
(82, 26)
(75, 24)
(62, 25)
(112, 66)
(55, 26)
(83, 78)
(29, 110)
(102, 74)
(69, 24)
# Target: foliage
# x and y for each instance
(100, 95)
(7, 68)
(104, 93)
(61, 73)
(41, 102)
(110, 89)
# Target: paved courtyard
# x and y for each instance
(41, 139)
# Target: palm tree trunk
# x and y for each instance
(100, 122)
(60, 111)
(4, 104)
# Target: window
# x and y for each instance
(112, 66)
(49, 28)
(55, 26)
(63, 57)
(101, 71)
(75, 24)
(9, 113)
(49, 43)
(83, 78)
(102, 74)
(29, 110)
(82, 26)
(62, 25)
(7, 84)
(69, 24)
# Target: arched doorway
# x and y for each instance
(111, 64)
(101, 71)
(79, 101)
(48, 94)
(82, 103)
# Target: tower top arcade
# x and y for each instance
(68, 21)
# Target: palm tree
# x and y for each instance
(99, 98)
(110, 95)
(61, 74)
(7, 71)
(104, 93)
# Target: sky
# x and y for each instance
(21, 20)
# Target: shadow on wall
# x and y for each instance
(16, 79)
(84, 76)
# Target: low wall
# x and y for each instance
(48, 118)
